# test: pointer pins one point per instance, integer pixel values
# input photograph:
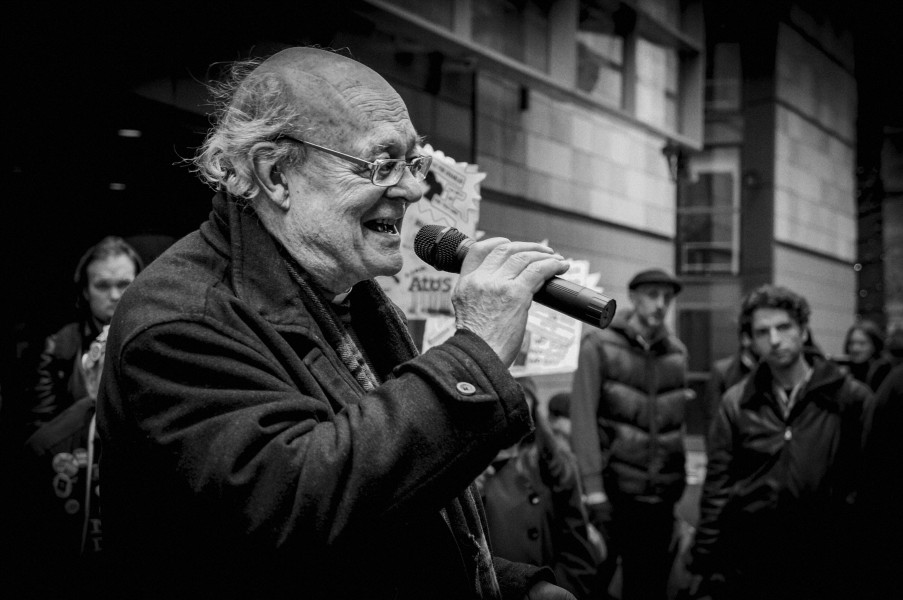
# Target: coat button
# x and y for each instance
(533, 533)
(788, 434)
(466, 389)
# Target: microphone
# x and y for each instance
(444, 248)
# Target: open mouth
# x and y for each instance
(389, 226)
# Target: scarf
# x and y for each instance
(463, 513)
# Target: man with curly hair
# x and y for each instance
(776, 512)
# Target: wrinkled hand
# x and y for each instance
(496, 287)
(543, 590)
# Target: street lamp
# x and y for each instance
(674, 154)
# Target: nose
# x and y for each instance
(773, 337)
(408, 188)
(116, 292)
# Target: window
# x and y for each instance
(439, 13)
(657, 68)
(517, 29)
(708, 216)
(723, 78)
(600, 51)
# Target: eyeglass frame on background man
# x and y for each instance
(418, 166)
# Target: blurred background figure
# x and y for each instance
(103, 273)
(55, 527)
(628, 409)
(560, 417)
(880, 520)
(864, 347)
(533, 500)
(727, 371)
(776, 512)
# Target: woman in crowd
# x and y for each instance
(864, 346)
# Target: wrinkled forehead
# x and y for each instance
(341, 100)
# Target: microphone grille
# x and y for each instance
(437, 246)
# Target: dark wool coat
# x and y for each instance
(59, 381)
(777, 502)
(627, 410)
(241, 458)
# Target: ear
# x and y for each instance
(273, 183)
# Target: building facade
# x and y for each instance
(715, 139)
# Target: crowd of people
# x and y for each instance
(266, 427)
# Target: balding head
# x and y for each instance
(311, 94)
(337, 98)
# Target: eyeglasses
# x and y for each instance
(384, 172)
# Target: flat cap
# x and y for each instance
(655, 276)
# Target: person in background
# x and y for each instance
(103, 273)
(776, 512)
(864, 346)
(879, 527)
(560, 417)
(730, 370)
(269, 428)
(56, 531)
(627, 412)
(533, 504)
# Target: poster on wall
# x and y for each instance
(552, 342)
(451, 197)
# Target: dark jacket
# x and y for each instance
(879, 528)
(59, 382)
(241, 458)
(872, 372)
(535, 512)
(725, 373)
(56, 536)
(627, 410)
(779, 491)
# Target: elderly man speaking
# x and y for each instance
(268, 427)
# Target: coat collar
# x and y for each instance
(826, 379)
(257, 269)
(261, 279)
(662, 343)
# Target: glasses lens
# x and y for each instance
(388, 172)
(420, 166)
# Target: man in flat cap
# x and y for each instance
(627, 415)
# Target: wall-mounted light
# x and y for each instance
(751, 178)
(129, 133)
(674, 154)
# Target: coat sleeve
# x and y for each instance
(585, 395)
(49, 392)
(715, 491)
(515, 579)
(258, 443)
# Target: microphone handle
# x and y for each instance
(581, 303)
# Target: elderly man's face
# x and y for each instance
(340, 226)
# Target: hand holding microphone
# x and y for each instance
(500, 279)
